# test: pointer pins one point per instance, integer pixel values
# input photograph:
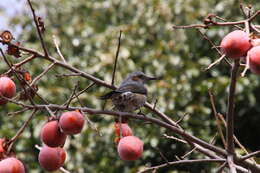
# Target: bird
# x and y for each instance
(131, 95)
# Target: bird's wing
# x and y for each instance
(108, 95)
(134, 88)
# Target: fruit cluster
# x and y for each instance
(239, 44)
(129, 147)
(53, 134)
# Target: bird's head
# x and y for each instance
(140, 77)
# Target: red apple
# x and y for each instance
(2, 145)
(254, 59)
(11, 165)
(71, 122)
(51, 159)
(2, 148)
(130, 148)
(126, 130)
(51, 134)
(236, 44)
(7, 89)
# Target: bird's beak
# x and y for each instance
(153, 78)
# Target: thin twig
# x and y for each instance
(221, 168)
(174, 138)
(42, 74)
(17, 112)
(20, 131)
(58, 49)
(49, 110)
(116, 59)
(162, 155)
(182, 118)
(66, 75)
(235, 138)
(80, 92)
(31, 57)
(214, 46)
(250, 155)
(241, 5)
(181, 162)
(211, 42)
(38, 29)
(188, 153)
(72, 94)
(212, 101)
(215, 62)
(155, 103)
(222, 19)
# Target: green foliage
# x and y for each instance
(87, 32)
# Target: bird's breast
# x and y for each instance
(129, 101)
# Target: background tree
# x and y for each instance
(87, 33)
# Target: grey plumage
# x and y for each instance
(131, 94)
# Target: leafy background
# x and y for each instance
(87, 32)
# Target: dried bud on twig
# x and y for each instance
(6, 36)
(41, 24)
(14, 50)
(28, 93)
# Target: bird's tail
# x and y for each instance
(107, 96)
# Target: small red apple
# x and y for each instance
(2, 145)
(71, 122)
(51, 159)
(236, 44)
(11, 165)
(130, 148)
(51, 134)
(126, 130)
(7, 89)
(254, 59)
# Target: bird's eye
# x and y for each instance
(135, 78)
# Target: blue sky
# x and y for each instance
(9, 8)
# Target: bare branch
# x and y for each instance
(181, 162)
